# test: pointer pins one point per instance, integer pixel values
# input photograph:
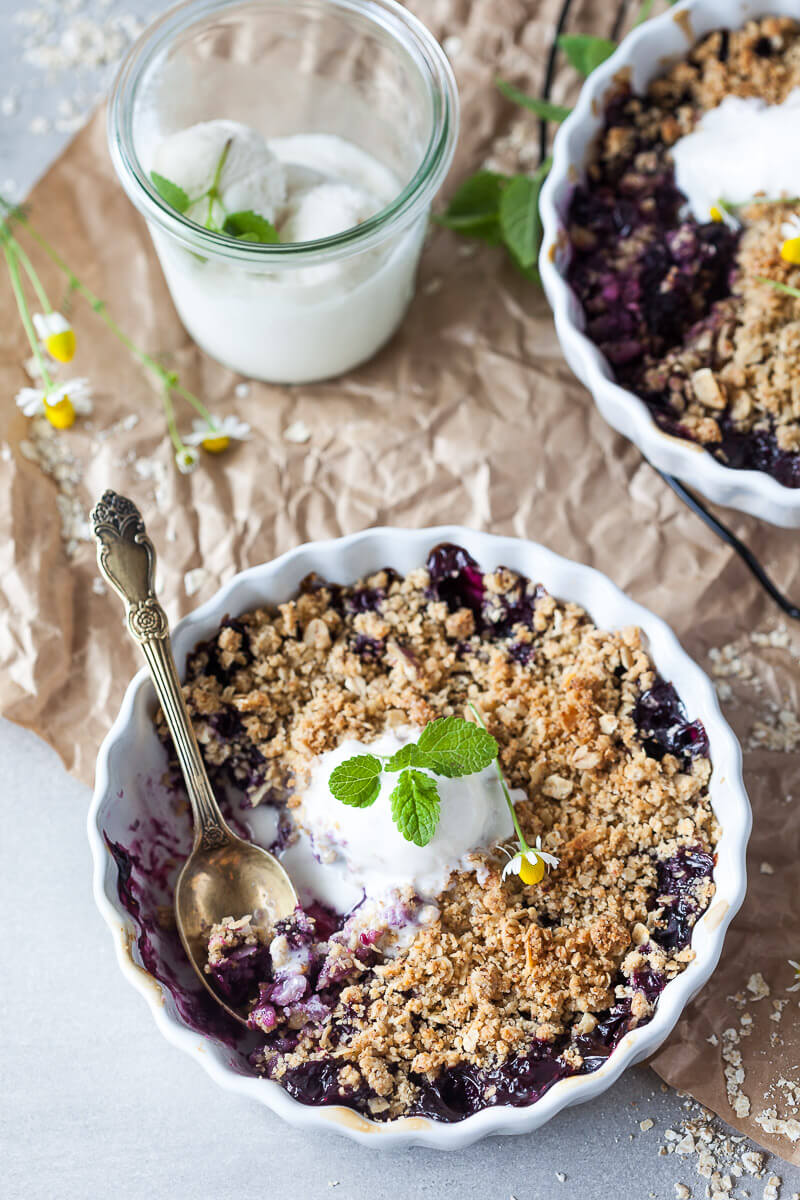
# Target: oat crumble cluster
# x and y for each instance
(503, 988)
(676, 306)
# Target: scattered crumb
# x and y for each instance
(767, 868)
(646, 1124)
(298, 432)
(757, 986)
(193, 580)
(241, 391)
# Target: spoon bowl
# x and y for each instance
(224, 876)
(232, 879)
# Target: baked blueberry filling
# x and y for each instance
(382, 1008)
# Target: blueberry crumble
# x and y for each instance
(463, 987)
(685, 294)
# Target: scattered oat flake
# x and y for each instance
(682, 1191)
(298, 432)
(757, 986)
(646, 1124)
(753, 1162)
(561, 1177)
(193, 580)
(767, 869)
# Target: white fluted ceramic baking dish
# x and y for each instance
(644, 54)
(132, 757)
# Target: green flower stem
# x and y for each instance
(786, 288)
(523, 845)
(213, 191)
(22, 305)
(166, 378)
(32, 274)
(172, 425)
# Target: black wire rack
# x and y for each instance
(723, 532)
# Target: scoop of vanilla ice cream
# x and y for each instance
(739, 149)
(473, 815)
(252, 178)
(326, 209)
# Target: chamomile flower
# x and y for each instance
(721, 214)
(60, 404)
(790, 231)
(795, 987)
(56, 335)
(530, 862)
(186, 459)
(216, 440)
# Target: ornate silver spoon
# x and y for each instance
(224, 875)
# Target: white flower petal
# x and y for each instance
(229, 427)
(79, 391)
(30, 400)
(48, 324)
(537, 853)
(513, 866)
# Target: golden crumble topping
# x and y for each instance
(616, 784)
(690, 325)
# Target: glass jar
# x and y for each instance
(363, 70)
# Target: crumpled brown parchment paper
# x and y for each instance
(470, 415)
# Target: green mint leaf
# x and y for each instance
(543, 108)
(406, 756)
(175, 196)
(519, 219)
(520, 222)
(644, 12)
(415, 807)
(585, 52)
(474, 209)
(250, 227)
(452, 746)
(356, 781)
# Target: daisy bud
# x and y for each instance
(186, 460)
(56, 334)
(531, 872)
(790, 251)
(60, 414)
(216, 443)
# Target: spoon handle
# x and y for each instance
(127, 559)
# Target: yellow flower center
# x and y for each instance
(532, 872)
(790, 251)
(61, 415)
(716, 214)
(215, 445)
(61, 345)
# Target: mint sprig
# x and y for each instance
(449, 746)
(504, 209)
(245, 226)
